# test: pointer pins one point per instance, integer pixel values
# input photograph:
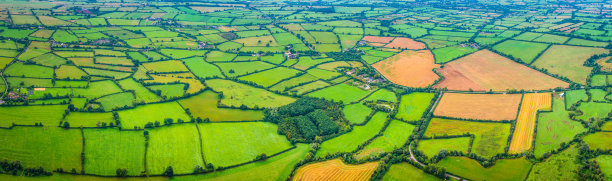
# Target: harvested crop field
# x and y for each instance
(525, 122)
(335, 170)
(568, 61)
(378, 39)
(496, 107)
(421, 63)
(405, 43)
(485, 70)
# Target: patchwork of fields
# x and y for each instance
(318, 90)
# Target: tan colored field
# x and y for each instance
(335, 170)
(525, 122)
(605, 64)
(420, 63)
(495, 107)
(405, 43)
(485, 70)
(378, 39)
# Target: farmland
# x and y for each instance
(335, 169)
(525, 122)
(295, 90)
(479, 106)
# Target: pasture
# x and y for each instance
(523, 51)
(562, 166)
(348, 142)
(413, 105)
(404, 172)
(395, 136)
(504, 169)
(151, 113)
(204, 105)
(237, 94)
(489, 138)
(48, 115)
(431, 147)
(177, 146)
(568, 61)
(341, 93)
(554, 128)
(106, 150)
(227, 144)
(356, 113)
(599, 140)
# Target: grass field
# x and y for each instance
(485, 70)
(356, 113)
(142, 93)
(382, 95)
(348, 142)
(413, 105)
(23, 70)
(601, 140)
(335, 170)
(144, 114)
(405, 172)
(270, 77)
(421, 65)
(177, 146)
(106, 150)
(504, 169)
(69, 72)
(88, 119)
(341, 92)
(204, 105)
(594, 110)
(169, 90)
(234, 69)
(489, 138)
(525, 51)
(567, 61)
(114, 101)
(561, 166)
(237, 94)
(50, 147)
(395, 136)
(432, 147)
(605, 164)
(495, 107)
(276, 168)
(525, 122)
(554, 128)
(201, 68)
(226, 144)
(49, 115)
(446, 54)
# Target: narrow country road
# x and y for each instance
(423, 165)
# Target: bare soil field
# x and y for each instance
(378, 39)
(495, 107)
(420, 63)
(485, 70)
(406, 43)
(525, 122)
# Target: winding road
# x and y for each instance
(423, 165)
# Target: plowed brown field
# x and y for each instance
(409, 68)
(495, 107)
(485, 70)
(335, 170)
(406, 43)
(525, 123)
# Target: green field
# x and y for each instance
(405, 172)
(562, 166)
(605, 164)
(521, 50)
(107, 150)
(270, 77)
(413, 105)
(506, 169)
(50, 148)
(349, 142)
(489, 138)
(237, 94)
(114, 101)
(176, 146)
(567, 61)
(356, 113)
(432, 147)
(89, 120)
(395, 136)
(201, 68)
(49, 115)
(226, 144)
(554, 128)
(204, 105)
(144, 114)
(446, 54)
(341, 92)
(599, 140)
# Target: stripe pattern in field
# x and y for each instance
(335, 170)
(525, 122)
(496, 107)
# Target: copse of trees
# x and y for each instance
(307, 118)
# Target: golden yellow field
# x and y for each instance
(525, 123)
(335, 170)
